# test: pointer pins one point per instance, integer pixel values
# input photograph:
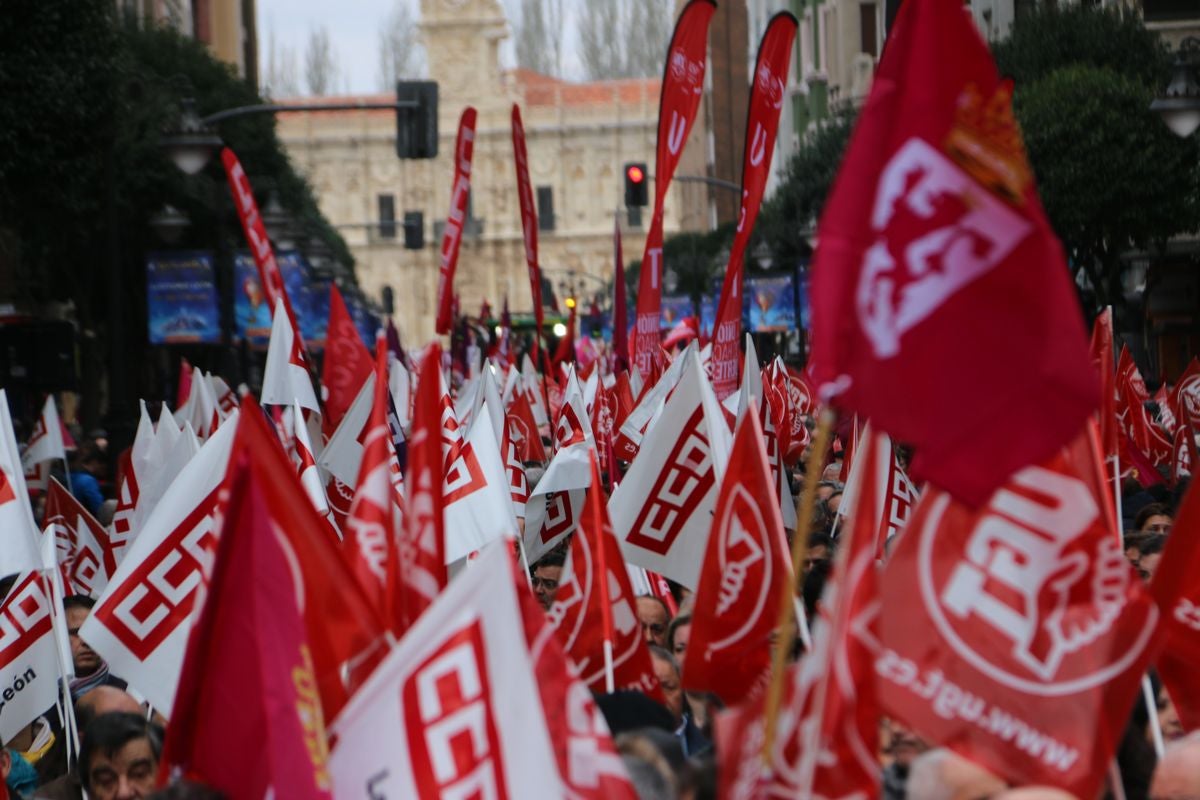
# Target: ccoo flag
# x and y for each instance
(460, 193)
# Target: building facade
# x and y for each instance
(228, 27)
(579, 136)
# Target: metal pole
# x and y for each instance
(272, 108)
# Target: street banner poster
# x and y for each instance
(250, 306)
(456, 220)
(529, 221)
(674, 308)
(181, 299)
(772, 303)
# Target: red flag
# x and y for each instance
(620, 318)
(746, 566)
(1139, 466)
(260, 245)
(565, 354)
(184, 390)
(1183, 453)
(529, 221)
(591, 611)
(682, 88)
(1017, 633)
(247, 719)
(370, 541)
(85, 553)
(766, 100)
(1177, 592)
(421, 572)
(1101, 351)
(1185, 398)
(524, 430)
(460, 193)
(347, 363)
(800, 406)
(937, 267)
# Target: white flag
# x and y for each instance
(18, 534)
(28, 655)
(142, 621)
(46, 442)
(453, 711)
(310, 476)
(285, 378)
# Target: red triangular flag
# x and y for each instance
(347, 363)
(1101, 351)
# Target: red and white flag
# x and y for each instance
(746, 566)
(200, 407)
(662, 511)
(135, 467)
(1017, 633)
(285, 377)
(529, 222)
(19, 535)
(84, 552)
(421, 572)
(1177, 593)
(248, 720)
(456, 219)
(347, 363)
(1101, 351)
(1185, 398)
(28, 655)
(453, 709)
(46, 441)
(514, 468)
(767, 94)
(682, 88)
(141, 623)
(523, 429)
(595, 609)
(895, 495)
(306, 464)
(937, 267)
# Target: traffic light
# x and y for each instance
(417, 123)
(636, 193)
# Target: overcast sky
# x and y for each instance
(353, 28)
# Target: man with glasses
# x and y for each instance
(545, 576)
(655, 619)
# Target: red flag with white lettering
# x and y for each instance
(682, 88)
(767, 94)
(1177, 592)
(456, 220)
(529, 222)
(347, 363)
(745, 567)
(1185, 398)
(937, 267)
(1017, 633)
(453, 709)
(248, 720)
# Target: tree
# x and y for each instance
(283, 76)
(320, 63)
(599, 35)
(533, 36)
(647, 37)
(400, 55)
(623, 38)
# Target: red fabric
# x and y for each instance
(86, 561)
(1017, 633)
(937, 268)
(184, 390)
(766, 100)
(248, 719)
(421, 569)
(682, 85)
(620, 323)
(746, 566)
(460, 192)
(1177, 592)
(1101, 351)
(529, 222)
(565, 353)
(347, 363)
(524, 429)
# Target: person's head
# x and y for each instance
(942, 775)
(825, 490)
(545, 576)
(77, 608)
(1153, 518)
(1168, 718)
(1035, 793)
(834, 502)
(1177, 776)
(820, 548)
(903, 746)
(1149, 554)
(814, 585)
(1132, 539)
(666, 669)
(103, 700)
(655, 618)
(678, 633)
(119, 757)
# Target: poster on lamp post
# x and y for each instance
(772, 303)
(181, 299)
(250, 306)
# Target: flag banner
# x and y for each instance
(453, 709)
(347, 363)
(141, 623)
(343, 452)
(649, 405)
(588, 762)
(184, 448)
(456, 220)
(181, 299)
(580, 618)
(1101, 351)
(200, 409)
(46, 441)
(663, 509)
(19, 535)
(247, 720)
(1185, 399)
(270, 278)
(682, 88)
(1017, 633)
(28, 655)
(937, 266)
(746, 566)
(1177, 593)
(306, 464)
(285, 377)
(620, 313)
(555, 503)
(767, 94)
(84, 552)
(529, 221)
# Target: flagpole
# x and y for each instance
(1116, 479)
(1152, 710)
(786, 637)
(602, 565)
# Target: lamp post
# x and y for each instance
(1179, 105)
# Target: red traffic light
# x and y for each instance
(635, 173)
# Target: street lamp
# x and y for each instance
(192, 144)
(1179, 106)
(169, 224)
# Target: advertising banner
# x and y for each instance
(181, 299)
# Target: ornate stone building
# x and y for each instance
(579, 137)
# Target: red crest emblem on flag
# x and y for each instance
(24, 618)
(685, 479)
(560, 516)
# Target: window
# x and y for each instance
(545, 208)
(868, 29)
(387, 216)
